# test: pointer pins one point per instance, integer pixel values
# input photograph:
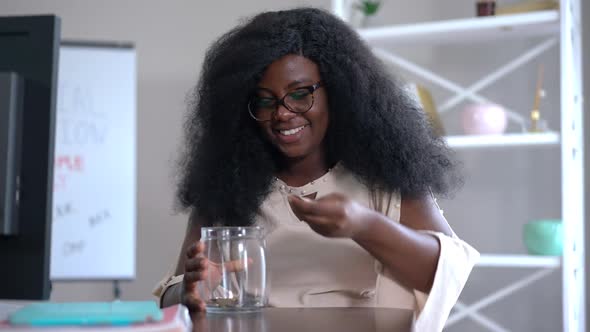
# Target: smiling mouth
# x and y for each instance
(293, 131)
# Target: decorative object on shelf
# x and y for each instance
(537, 124)
(544, 237)
(486, 7)
(424, 99)
(526, 6)
(361, 12)
(484, 119)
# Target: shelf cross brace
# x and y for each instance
(499, 73)
(481, 319)
(461, 92)
(469, 310)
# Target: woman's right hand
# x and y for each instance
(195, 270)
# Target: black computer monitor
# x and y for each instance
(29, 49)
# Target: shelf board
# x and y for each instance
(483, 29)
(487, 260)
(505, 140)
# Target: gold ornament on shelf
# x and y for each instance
(527, 7)
(535, 113)
(424, 99)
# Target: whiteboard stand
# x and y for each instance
(116, 290)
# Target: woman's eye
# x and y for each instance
(264, 102)
(299, 94)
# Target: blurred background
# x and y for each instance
(505, 187)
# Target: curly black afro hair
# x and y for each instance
(376, 130)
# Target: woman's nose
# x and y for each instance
(283, 114)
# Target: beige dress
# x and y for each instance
(309, 270)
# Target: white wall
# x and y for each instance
(503, 189)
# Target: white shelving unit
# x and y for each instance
(543, 23)
(487, 260)
(557, 29)
(506, 140)
(543, 265)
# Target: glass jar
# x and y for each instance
(237, 274)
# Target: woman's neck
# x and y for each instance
(297, 172)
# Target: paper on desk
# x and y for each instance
(8, 308)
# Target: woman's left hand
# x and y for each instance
(333, 215)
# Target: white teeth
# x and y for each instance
(291, 131)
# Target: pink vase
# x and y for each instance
(484, 119)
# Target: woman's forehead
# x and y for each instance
(290, 71)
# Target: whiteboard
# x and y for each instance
(94, 210)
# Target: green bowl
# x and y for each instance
(544, 237)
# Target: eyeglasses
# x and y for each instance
(298, 101)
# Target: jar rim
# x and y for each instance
(226, 232)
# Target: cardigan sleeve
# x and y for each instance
(456, 260)
(163, 285)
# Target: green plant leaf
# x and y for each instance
(370, 7)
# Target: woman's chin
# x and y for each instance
(292, 152)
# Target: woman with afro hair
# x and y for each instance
(297, 127)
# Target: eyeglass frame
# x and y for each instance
(311, 88)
